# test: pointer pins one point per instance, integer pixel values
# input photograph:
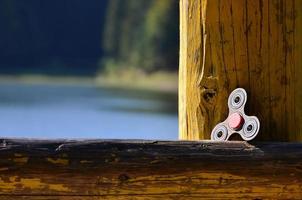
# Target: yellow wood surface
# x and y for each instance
(253, 44)
(131, 169)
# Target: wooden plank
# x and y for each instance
(252, 44)
(117, 169)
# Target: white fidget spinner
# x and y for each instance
(237, 122)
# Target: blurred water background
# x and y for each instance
(89, 69)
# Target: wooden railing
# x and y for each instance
(120, 169)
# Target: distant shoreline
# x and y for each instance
(159, 82)
(132, 79)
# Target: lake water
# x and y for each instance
(85, 111)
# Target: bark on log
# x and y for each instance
(149, 170)
(254, 44)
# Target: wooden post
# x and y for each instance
(253, 44)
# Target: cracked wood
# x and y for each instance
(132, 169)
(254, 44)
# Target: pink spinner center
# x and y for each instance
(235, 121)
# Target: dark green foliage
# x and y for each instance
(52, 36)
(71, 36)
(141, 34)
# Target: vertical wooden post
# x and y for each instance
(254, 44)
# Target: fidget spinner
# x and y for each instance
(237, 122)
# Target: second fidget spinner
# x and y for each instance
(237, 122)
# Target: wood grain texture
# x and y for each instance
(253, 44)
(115, 169)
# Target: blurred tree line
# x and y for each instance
(141, 34)
(79, 37)
(51, 37)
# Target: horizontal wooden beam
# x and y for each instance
(133, 169)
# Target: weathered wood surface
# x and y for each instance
(149, 170)
(254, 44)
